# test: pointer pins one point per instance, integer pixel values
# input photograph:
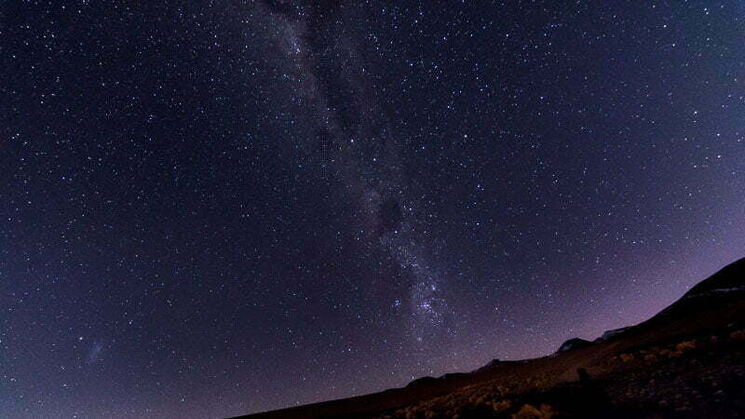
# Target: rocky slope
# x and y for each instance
(686, 361)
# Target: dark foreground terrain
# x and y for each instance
(688, 361)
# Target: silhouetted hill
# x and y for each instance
(686, 361)
(731, 278)
(571, 344)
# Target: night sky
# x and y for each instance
(230, 206)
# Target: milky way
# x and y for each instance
(221, 208)
(359, 148)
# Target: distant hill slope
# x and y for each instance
(730, 278)
(686, 361)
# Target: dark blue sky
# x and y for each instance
(232, 206)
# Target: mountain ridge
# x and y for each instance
(710, 313)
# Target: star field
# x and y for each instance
(220, 208)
